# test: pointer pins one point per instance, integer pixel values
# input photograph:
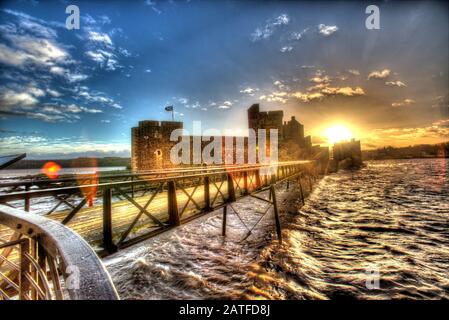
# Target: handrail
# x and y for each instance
(143, 173)
(76, 189)
(65, 247)
(156, 204)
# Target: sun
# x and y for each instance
(337, 133)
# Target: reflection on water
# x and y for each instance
(391, 217)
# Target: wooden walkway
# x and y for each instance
(131, 211)
(88, 222)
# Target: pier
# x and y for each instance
(116, 211)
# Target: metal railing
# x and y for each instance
(40, 259)
(122, 213)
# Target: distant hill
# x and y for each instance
(75, 163)
(440, 150)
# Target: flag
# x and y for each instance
(169, 108)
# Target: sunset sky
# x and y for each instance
(68, 93)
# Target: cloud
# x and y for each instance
(327, 91)
(320, 79)
(277, 96)
(106, 59)
(344, 91)
(152, 5)
(25, 101)
(327, 30)
(396, 83)
(286, 49)
(96, 56)
(94, 97)
(381, 74)
(318, 86)
(225, 105)
(403, 103)
(30, 46)
(100, 47)
(281, 85)
(270, 27)
(354, 72)
(183, 100)
(31, 50)
(63, 147)
(298, 35)
(53, 93)
(249, 91)
(307, 97)
(124, 52)
(12, 57)
(104, 19)
(67, 74)
(91, 21)
(100, 37)
(75, 77)
(23, 17)
(32, 43)
(24, 98)
(436, 130)
(76, 109)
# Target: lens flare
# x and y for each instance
(88, 182)
(51, 169)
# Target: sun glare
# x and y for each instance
(51, 169)
(337, 133)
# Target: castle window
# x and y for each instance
(158, 153)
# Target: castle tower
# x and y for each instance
(151, 145)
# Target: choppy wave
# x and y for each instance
(391, 218)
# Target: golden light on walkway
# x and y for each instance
(337, 133)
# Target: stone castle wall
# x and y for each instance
(151, 143)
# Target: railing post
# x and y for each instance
(276, 213)
(25, 264)
(300, 190)
(41, 260)
(245, 182)
(223, 226)
(108, 243)
(132, 186)
(231, 191)
(257, 174)
(207, 193)
(27, 199)
(173, 205)
(273, 176)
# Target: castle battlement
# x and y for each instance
(151, 143)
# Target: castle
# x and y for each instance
(347, 154)
(151, 145)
